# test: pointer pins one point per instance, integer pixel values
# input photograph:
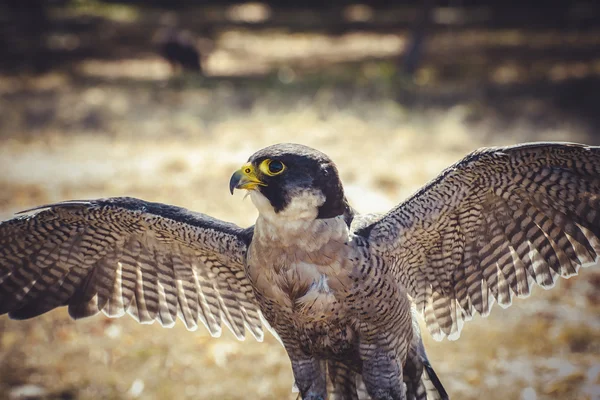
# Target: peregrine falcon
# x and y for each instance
(341, 291)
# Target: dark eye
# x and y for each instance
(271, 167)
(275, 167)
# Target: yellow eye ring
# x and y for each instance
(272, 167)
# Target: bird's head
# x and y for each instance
(292, 182)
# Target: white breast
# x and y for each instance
(319, 296)
(295, 261)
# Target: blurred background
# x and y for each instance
(164, 99)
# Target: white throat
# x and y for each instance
(303, 207)
(297, 224)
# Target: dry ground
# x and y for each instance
(65, 137)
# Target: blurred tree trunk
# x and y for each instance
(408, 64)
(24, 33)
(414, 50)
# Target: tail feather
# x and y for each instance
(433, 386)
(429, 381)
(342, 381)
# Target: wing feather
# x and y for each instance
(490, 227)
(123, 255)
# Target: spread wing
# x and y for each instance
(490, 227)
(123, 255)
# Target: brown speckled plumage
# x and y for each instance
(340, 290)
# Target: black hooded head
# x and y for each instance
(283, 171)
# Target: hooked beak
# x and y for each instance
(245, 178)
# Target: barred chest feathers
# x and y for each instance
(300, 264)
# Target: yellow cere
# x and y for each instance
(248, 170)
